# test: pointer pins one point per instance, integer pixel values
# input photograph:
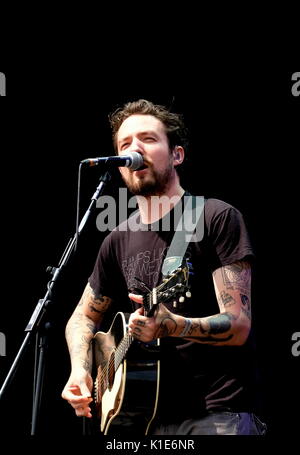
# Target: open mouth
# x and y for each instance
(144, 166)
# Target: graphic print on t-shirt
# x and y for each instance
(146, 266)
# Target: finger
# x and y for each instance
(137, 321)
(74, 389)
(83, 412)
(85, 391)
(136, 298)
(78, 401)
(80, 406)
(71, 394)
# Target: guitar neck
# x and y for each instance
(122, 349)
(149, 309)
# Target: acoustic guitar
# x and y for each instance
(125, 366)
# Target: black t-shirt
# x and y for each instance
(195, 377)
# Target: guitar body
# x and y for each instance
(126, 389)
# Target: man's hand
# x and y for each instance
(77, 392)
(163, 323)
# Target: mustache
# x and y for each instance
(146, 164)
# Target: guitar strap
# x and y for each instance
(190, 228)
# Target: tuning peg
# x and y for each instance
(188, 294)
(175, 304)
(181, 299)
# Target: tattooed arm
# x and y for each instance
(229, 327)
(232, 325)
(80, 330)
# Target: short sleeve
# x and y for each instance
(228, 236)
(105, 274)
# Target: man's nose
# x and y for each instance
(136, 146)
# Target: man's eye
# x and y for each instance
(123, 146)
(149, 139)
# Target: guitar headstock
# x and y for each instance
(174, 287)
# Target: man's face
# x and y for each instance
(146, 135)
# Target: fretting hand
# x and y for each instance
(163, 323)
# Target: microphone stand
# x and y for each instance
(36, 325)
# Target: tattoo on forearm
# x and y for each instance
(86, 364)
(197, 326)
(220, 323)
(167, 327)
(82, 326)
(80, 347)
(215, 325)
(91, 327)
(77, 322)
(86, 361)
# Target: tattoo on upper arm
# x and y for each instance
(227, 299)
(96, 304)
(102, 300)
(237, 276)
(93, 309)
(246, 305)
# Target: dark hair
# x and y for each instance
(174, 125)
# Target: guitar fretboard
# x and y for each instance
(122, 349)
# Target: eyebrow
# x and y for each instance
(141, 133)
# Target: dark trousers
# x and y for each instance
(216, 423)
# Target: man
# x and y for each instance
(206, 342)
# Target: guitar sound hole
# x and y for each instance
(111, 371)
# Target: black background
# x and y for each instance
(244, 128)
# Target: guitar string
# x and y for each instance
(111, 365)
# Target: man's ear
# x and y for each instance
(178, 155)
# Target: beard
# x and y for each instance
(154, 183)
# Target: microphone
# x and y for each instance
(133, 160)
